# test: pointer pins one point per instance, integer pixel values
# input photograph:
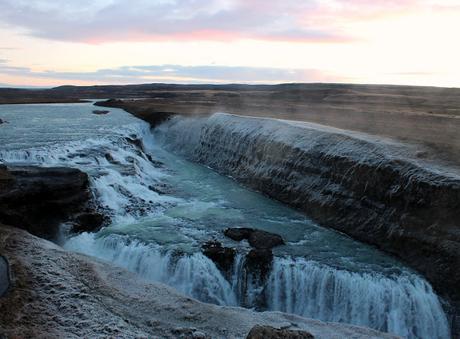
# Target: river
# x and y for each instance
(163, 208)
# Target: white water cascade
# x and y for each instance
(405, 305)
(156, 232)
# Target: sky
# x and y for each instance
(87, 42)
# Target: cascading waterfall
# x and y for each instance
(194, 274)
(130, 186)
(404, 305)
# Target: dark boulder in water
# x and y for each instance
(98, 112)
(238, 233)
(268, 332)
(264, 240)
(39, 199)
(223, 257)
(136, 142)
(257, 238)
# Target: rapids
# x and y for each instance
(163, 208)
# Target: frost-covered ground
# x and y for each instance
(56, 293)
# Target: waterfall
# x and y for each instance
(194, 274)
(127, 184)
(404, 305)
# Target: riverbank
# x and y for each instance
(56, 293)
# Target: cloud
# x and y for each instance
(173, 74)
(100, 21)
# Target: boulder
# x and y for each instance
(39, 199)
(268, 332)
(257, 238)
(98, 112)
(238, 233)
(136, 142)
(223, 257)
(261, 239)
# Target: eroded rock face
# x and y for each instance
(39, 199)
(268, 332)
(259, 263)
(223, 257)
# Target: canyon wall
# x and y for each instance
(374, 190)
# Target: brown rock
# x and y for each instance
(223, 257)
(259, 262)
(257, 238)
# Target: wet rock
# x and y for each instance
(159, 188)
(259, 262)
(257, 238)
(110, 159)
(88, 222)
(156, 163)
(1, 121)
(261, 239)
(268, 332)
(99, 112)
(39, 199)
(136, 142)
(223, 257)
(238, 233)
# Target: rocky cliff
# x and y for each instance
(39, 199)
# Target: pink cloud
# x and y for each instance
(99, 21)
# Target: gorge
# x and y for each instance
(163, 208)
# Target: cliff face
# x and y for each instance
(38, 199)
(367, 188)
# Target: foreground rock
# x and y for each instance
(257, 238)
(58, 294)
(268, 332)
(39, 199)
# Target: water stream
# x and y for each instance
(163, 208)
